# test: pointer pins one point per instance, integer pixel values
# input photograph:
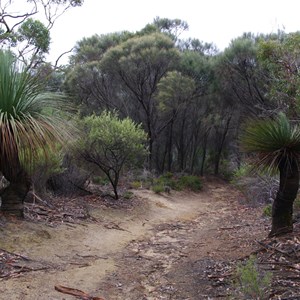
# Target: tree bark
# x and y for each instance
(282, 209)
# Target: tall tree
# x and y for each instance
(138, 65)
(241, 75)
(175, 93)
(91, 87)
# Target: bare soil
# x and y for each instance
(181, 245)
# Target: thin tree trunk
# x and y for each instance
(220, 146)
(170, 144)
(204, 149)
(282, 210)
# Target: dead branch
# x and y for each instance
(74, 292)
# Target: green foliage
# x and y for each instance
(241, 172)
(135, 59)
(135, 184)
(111, 143)
(158, 188)
(267, 210)
(128, 195)
(36, 34)
(30, 120)
(100, 180)
(176, 183)
(166, 179)
(253, 284)
(273, 140)
(43, 168)
(175, 90)
(190, 182)
(280, 57)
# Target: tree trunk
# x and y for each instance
(282, 210)
(170, 144)
(220, 145)
(13, 196)
(204, 149)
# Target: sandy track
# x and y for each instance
(142, 253)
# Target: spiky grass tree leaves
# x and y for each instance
(273, 141)
(276, 147)
(30, 122)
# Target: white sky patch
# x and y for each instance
(217, 21)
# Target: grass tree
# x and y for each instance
(111, 143)
(30, 123)
(276, 147)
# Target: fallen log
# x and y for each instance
(75, 292)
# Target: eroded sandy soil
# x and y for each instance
(165, 247)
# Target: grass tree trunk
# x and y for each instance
(14, 194)
(282, 210)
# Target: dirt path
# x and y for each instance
(167, 247)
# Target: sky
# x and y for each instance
(216, 21)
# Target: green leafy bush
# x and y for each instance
(111, 144)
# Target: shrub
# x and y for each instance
(190, 182)
(243, 171)
(128, 195)
(100, 180)
(166, 179)
(158, 188)
(111, 144)
(267, 211)
(252, 283)
(135, 184)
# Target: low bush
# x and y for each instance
(252, 283)
(128, 195)
(168, 181)
(136, 184)
(267, 211)
(190, 182)
(158, 188)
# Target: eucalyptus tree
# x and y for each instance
(91, 87)
(173, 28)
(176, 92)
(241, 74)
(276, 144)
(138, 65)
(199, 66)
(280, 56)
(22, 29)
(30, 124)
